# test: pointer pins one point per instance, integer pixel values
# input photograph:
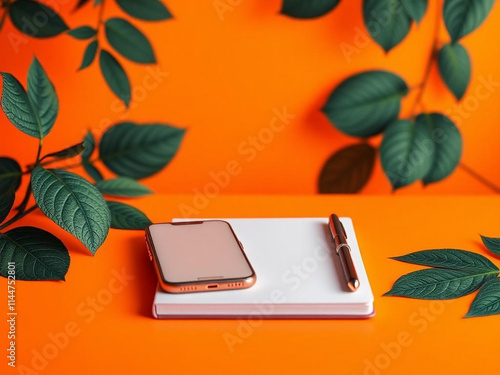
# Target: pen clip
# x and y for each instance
(343, 229)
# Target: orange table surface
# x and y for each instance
(100, 319)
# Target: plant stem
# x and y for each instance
(18, 216)
(100, 17)
(480, 178)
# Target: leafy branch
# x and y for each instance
(454, 273)
(129, 150)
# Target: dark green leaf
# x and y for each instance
(42, 96)
(124, 216)
(407, 152)
(97, 2)
(148, 10)
(454, 67)
(415, 8)
(92, 171)
(493, 244)
(66, 153)
(10, 174)
(129, 41)
(89, 54)
(451, 259)
(83, 32)
(462, 17)
(364, 104)
(6, 203)
(89, 145)
(386, 21)
(81, 3)
(17, 107)
(138, 151)
(72, 203)
(348, 170)
(35, 19)
(115, 76)
(439, 284)
(37, 254)
(447, 144)
(308, 9)
(123, 187)
(487, 301)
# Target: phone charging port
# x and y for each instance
(212, 286)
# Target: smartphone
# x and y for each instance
(198, 256)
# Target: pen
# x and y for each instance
(344, 252)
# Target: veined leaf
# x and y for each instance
(17, 107)
(487, 301)
(307, 9)
(83, 32)
(451, 259)
(6, 203)
(447, 144)
(67, 153)
(38, 255)
(148, 10)
(129, 41)
(36, 19)
(462, 17)
(454, 67)
(123, 187)
(72, 203)
(89, 54)
(124, 216)
(10, 174)
(407, 152)
(363, 105)
(115, 76)
(415, 8)
(493, 244)
(89, 144)
(386, 21)
(347, 170)
(42, 96)
(439, 283)
(139, 151)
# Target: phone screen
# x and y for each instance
(198, 251)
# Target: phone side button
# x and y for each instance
(149, 251)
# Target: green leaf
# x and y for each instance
(462, 17)
(89, 54)
(139, 151)
(439, 284)
(123, 187)
(92, 171)
(81, 3)
(35, 19)
(6, 203)
(451, 259)
(124, 216)
(67, 153)
(308, 9)
(97, 2)
(83, 32)
(348, 170)
(17, 107)
(72, 203)
(487, 301)
(129, 41)
(42, 96)
(407, 152)
(447, 144)
(89, 144)
(10, 174)
(455, 68)
(147, 10)
(415, 8)
(37, 254)
(386, 21)
(115, 76)
(493, 244)
(364, 104)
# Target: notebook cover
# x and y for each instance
(298, 276)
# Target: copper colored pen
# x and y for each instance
(344, 252)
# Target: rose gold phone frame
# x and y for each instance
(210, 284)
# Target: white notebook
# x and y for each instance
(298, 276)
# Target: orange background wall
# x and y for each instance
(226, 75)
